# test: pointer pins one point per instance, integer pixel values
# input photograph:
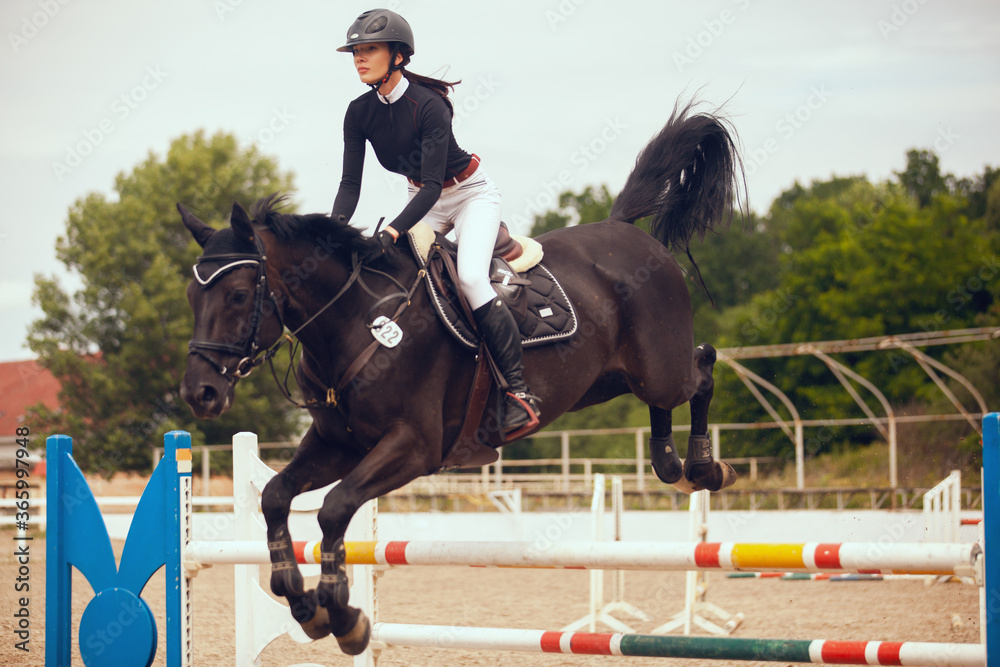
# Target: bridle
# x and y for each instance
(249, 349)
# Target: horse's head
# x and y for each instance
(235, 317)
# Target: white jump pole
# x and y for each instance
(844, 557)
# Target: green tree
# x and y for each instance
(590, 205)
(859, 260)
(976, 191)
(923, 178)
(869, 262)
(118, 344)
(735, 265)
(993, 207)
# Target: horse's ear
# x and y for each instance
(199, 230)
(240, 222)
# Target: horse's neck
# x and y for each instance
(340, 333)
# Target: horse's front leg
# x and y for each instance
(314, 465)
(401, 456)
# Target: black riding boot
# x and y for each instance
(499, 331)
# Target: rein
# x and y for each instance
(335, 394)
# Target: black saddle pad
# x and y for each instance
(549, 316)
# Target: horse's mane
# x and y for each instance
(307, 227)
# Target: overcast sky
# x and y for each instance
(557, 94)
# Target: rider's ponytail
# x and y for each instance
(439, 86)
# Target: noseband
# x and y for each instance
(249, 348)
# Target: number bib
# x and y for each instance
(386, 332)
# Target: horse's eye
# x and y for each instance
(239, 297)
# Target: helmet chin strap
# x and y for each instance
(393, 67)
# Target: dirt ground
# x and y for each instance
(538, 599)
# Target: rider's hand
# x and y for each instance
(381, 243)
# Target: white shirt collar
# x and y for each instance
(396, 93)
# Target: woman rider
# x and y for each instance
(407, 119)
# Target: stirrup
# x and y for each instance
(528, 403)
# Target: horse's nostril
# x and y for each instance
(207, 394)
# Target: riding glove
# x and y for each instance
(381, 243)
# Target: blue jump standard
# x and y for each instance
(117, 628)
(991, 530)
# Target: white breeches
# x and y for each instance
(472, 208)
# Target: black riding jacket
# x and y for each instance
(412, 136)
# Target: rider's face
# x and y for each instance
(371, 61)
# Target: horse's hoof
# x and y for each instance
(728, 475)
(318, 626)
(356, 641)
(712, 475)
(666, 463)
(685, 485)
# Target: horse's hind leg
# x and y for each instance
(313, 466)
(662, 450)
(667, 465)
(699, 466)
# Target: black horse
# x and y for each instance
(385, 416)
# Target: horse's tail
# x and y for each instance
(687, 177)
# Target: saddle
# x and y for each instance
(541, 308)
(538, 302)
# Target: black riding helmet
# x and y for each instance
(378, 25)
(382, 25)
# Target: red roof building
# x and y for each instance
(23, 383)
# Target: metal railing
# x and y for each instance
(576, 471)
(572, 472)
